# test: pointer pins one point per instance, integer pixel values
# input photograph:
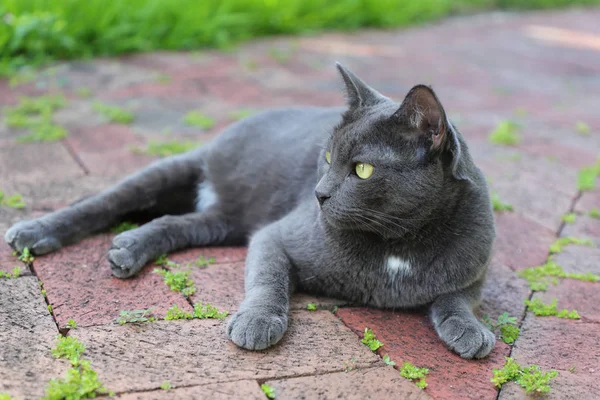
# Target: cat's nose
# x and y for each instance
(321, 197)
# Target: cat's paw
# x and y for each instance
(468, 338)
(34, 234)
(126, 255)
(255, 329)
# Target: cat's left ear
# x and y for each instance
(422, 110)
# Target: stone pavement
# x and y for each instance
(541, 70)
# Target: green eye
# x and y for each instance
(363, 170)
(328, 157)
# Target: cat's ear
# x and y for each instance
(358, 93)
(422, 110)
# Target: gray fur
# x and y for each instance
(426, 206)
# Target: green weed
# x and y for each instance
(506, 133)
(409, 371)
(268, 390)
(166, 149)
(370, 340)
(84, 92)
(195, 118)
(560, 243)
(68, 347)
(540, 309)
(569, 218)
(35, 114)
(24, 256)
(166, 386)
(16, 272)
(114, 113)
(311, 307)
(80, 382)
(135, 316)
(582, 128)
(531, 378)
(388, 361)
(178, 281)
(586, 178)
(499, 205)
(204, 311)
(71, 324)
(14, 201)
(594, 213)
(541, 276)
(49, 308)
(123, 227)
(507, 325)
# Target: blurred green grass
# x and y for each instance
(33, 32)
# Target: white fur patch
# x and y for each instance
(206, 196)
(397, 266)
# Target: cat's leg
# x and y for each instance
(161, 182)
(131, 250)
(262, 318)
(453, 319)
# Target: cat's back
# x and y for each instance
(260, 167)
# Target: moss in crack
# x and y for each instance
(505, 325)
(35, 114)
(123, 227)
(15, 273)
(113, 113)
(201, 311)
(594, 213)
(196, 118)
(531, 378)
(415, 374)
(506, 134)
(135, 316)
(24, 256)
(541, 276)
(178, 281)
(166, 149)
(586, 178)
(499, 205)
(370, 340)
(545, 310)
(569, 218)
(560, 243)
(13, 201)
(269, 391)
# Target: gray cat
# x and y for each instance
(379, 204)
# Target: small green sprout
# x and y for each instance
(5, 396)
(594, 213)
(195, 118)
(499, 205)
(68, 347)
(16, 272)
(166, 149)
(506, 324)
(204, 311)
(350, 365)
(509, 333)
(166, 385)
(14, 201)
(175, 313)
(135, 316)
(80, 382)
(46, 132)
(569, 218)
(178, 281)
(370, 340)
(586, 178)
(560, 243)
(201, 262)
(388, 361)
(544, 310)
(240, 114)
(539, 277)
(531, 378)
(44, 292)
(409, 371)
(335, 310)
(71, 324)
(506, 133)
(123, 227)
(113, 113)
(311, 307)
(25, 256)
(35, 113)
(582, 128)
(50, 308)
(268, 390)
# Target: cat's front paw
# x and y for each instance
(255, 329)
(468, 338)
(127, 255)
(34, 234)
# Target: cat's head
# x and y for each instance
(387, 167)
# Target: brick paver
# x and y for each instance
(537, 69)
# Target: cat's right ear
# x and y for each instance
(358, 93)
